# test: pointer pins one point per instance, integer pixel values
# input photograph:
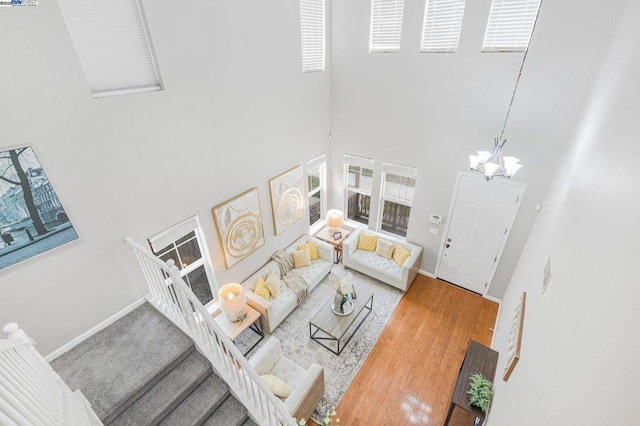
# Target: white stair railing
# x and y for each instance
(31, 393)
(177, 302)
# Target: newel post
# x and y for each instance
(15, 333)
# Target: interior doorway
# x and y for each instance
(481, 215)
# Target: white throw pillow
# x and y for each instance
(384, 249)
(276, 385)
(301, 258)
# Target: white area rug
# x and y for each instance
(339, 371)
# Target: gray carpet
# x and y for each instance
(339, 371)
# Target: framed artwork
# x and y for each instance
(337, 235)
(514, 343)
(239, 225)
(287, 199)
(32, 219)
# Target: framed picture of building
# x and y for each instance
(239, 225)
(32, 218)
(287, 199)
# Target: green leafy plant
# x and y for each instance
(480, 392)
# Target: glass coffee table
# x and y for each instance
(325, 326)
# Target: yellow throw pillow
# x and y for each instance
(301, 258)
(384, 249)
(276, 385)
(400, 254)
(272, 283)
(262, 291)
(255, 284)
(367, 241)
(313, 250)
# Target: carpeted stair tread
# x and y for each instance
(230, 413)
(165, 395)
(118, 364)
(249, 422)
(200, 404)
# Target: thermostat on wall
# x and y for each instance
(435, 218)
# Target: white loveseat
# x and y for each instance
(306, 385)
(277, 308)
(378, 267)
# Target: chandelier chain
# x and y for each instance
(524, 58)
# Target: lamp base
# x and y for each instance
(236, 316)
(333, 230)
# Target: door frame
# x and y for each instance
(505, 237)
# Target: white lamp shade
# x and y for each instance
(484, 155)
(232, 300)
(490, 169)
(335, 219)
(474, 160)
(511, 165)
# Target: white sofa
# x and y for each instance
(307, 385)
(276, 309)
(378, 267)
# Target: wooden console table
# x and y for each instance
(478, 359)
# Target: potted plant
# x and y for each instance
(480, 391)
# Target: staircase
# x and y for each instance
(142, 370)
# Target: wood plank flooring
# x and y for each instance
(411, 371)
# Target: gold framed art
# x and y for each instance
(514, 343)
(287, 199)
(239, 225)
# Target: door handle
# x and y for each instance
(447, 245)
(448, 240)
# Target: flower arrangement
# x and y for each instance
(326, 421)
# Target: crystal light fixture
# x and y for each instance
(492, 164)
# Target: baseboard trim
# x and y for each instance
(495, 326)
(104, 324)
(426, 274)
(493, 299)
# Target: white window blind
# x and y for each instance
(356, 160)
(359, 173)
(386, 25)
(168, 236)
(316, 162)
(399, 183)
(312, 27)
(113, 45)
(442, 24)
(510, 25)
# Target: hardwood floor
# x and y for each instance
(410, 373)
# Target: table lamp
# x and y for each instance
(335, 219)
(232, 300)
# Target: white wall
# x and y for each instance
(579, 363)
(433, 110)
(236, 111)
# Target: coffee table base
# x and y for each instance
(319, 339)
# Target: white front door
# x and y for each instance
(480, 219)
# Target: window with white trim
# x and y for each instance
(312, 29)
(113, 45)
(185, 244)
(396, 197)
(441, 26)
(358, 173)
(510, 25)
(386, 26)
(316, 188)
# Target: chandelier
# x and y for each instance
(493, 164)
